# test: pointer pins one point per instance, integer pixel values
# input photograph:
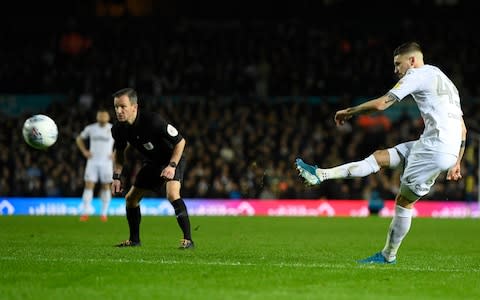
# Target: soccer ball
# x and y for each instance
(40, 132)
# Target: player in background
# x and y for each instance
(99, 167)
(440, 147)
(161, 145)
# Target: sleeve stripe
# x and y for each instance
(393, 96)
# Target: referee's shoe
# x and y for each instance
(186, 244)
(128, 243)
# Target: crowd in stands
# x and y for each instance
(238, 90)
(235, 149)
(227, 57)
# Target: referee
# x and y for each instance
(162, 147)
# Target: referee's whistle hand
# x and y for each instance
(116, 187)
(168, 172)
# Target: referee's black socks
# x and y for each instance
(182, 217)
(134, 217)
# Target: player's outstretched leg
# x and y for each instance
(314, 175)
(308, 172)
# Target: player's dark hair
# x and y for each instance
(407, 48)
(102, 109)
(131, 93)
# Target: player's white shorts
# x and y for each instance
(99, 171)
(423, 165)
(404, 148)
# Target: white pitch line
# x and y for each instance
(242, 264)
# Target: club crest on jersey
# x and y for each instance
(148, 146)
(172, 131)
(398, 85)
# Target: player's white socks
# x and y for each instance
(87, 201)
(360, 168)
(398, 230)
(106, 197)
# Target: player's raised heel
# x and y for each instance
(308, 172)
(128, 243)
(186, 244)
(377, 258)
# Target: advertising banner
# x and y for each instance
(225, 207)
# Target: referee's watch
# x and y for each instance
(172, 164)
(116, 176)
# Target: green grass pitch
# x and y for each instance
(236, 258)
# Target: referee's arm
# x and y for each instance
(178, 151)
(118, 160)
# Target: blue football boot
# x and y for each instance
(377, 258)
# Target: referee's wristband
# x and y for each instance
(116, 176)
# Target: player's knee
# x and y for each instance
(407, 196)
(382, 158)
(404, 202)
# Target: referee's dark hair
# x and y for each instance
(131, 93)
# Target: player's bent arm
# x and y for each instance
(462, 145)
(81, 145)
(454, 173)
(378, 104)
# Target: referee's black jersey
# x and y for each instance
(150, 134)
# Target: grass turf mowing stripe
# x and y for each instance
(243, 264)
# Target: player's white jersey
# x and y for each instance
(439, 104)
(101, 141)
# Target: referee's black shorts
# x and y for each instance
(148, 177)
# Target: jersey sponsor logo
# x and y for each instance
(172, 131)
(100, 138)
(148, 146)
(420, 188)
(454, 116)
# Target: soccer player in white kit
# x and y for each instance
(440, 147)
(99, 167)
